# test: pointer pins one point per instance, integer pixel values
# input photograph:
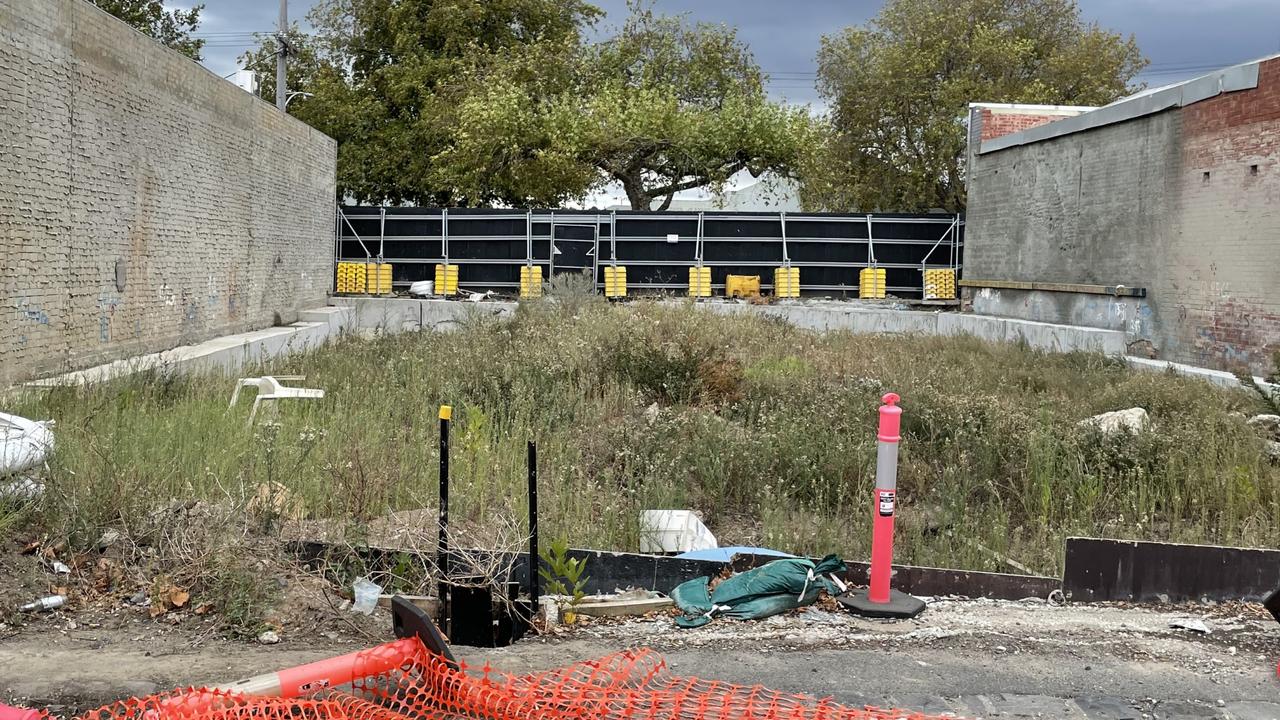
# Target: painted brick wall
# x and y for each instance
(1131, 203)
(1227, 259)
(144, 202)
(988, 121)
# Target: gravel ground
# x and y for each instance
(974, 658)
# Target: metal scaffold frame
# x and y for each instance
(787, 231)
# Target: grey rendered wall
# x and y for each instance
(1095, 207)
(144, 202)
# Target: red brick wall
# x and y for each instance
(997, 123)
(1228, 254)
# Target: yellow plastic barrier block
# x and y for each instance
(446, 279)
(871, 283)
(786, 282)
(378, 278)
(351, 278)
(531, 281)
(699, 282)
(940, 284)
(742, 286)
(615, 281)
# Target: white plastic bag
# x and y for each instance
(366, 596)
(23, 443)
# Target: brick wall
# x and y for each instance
(144, 202)
(994, 123)
(1184, 202)
(1228, 255)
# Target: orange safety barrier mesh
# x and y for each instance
(631, 685)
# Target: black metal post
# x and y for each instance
(534, 580)
(442, 547)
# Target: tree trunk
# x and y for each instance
(636, 195)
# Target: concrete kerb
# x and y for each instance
(1220, 378)
(868, 320)
(395, 315)
(226, 354)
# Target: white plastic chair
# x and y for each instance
(269, 388)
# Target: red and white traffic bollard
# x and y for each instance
(880, 600)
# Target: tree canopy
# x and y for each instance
(467, 102)
(171, 27)
(898, 91)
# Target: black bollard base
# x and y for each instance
(900, 606)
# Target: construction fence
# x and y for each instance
(699, 253)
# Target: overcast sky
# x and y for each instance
(1182, 38)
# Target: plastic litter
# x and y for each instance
(1192, 624)
(770, 589)
(24, 444)
(49, 602)
(270, 390)
(366, 596)
(725, 554)
(423, 288)
(21, 489)
(673, 531)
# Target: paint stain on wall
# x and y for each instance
(32, 313)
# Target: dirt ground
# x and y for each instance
(973, 658)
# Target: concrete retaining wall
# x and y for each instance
(394, 315)
(145, 202)
(226, 354)
(400, 314)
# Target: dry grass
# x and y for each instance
(765, 429)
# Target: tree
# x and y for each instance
(467, 102)
(171, 27)
(388, 78)
(663, 106)
(898, 91)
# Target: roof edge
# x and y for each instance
(1188, 92)
(1032, 107)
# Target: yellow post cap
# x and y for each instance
(446, 412)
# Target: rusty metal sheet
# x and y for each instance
(1099, 569)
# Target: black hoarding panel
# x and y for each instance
(657, 248)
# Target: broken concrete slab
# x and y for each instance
(624, 608)
(1107, 708)
(1132, 420)
(1036, 706)
(1268, 426)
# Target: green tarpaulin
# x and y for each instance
(770, 589)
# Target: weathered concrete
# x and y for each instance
(406, 314)
(227, 354)
(401, 314)
(825, 317)
(144, 202)
(1217, 377)
(1131, 316)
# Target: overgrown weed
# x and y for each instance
(765, 429)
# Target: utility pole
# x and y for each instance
(282, 51)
